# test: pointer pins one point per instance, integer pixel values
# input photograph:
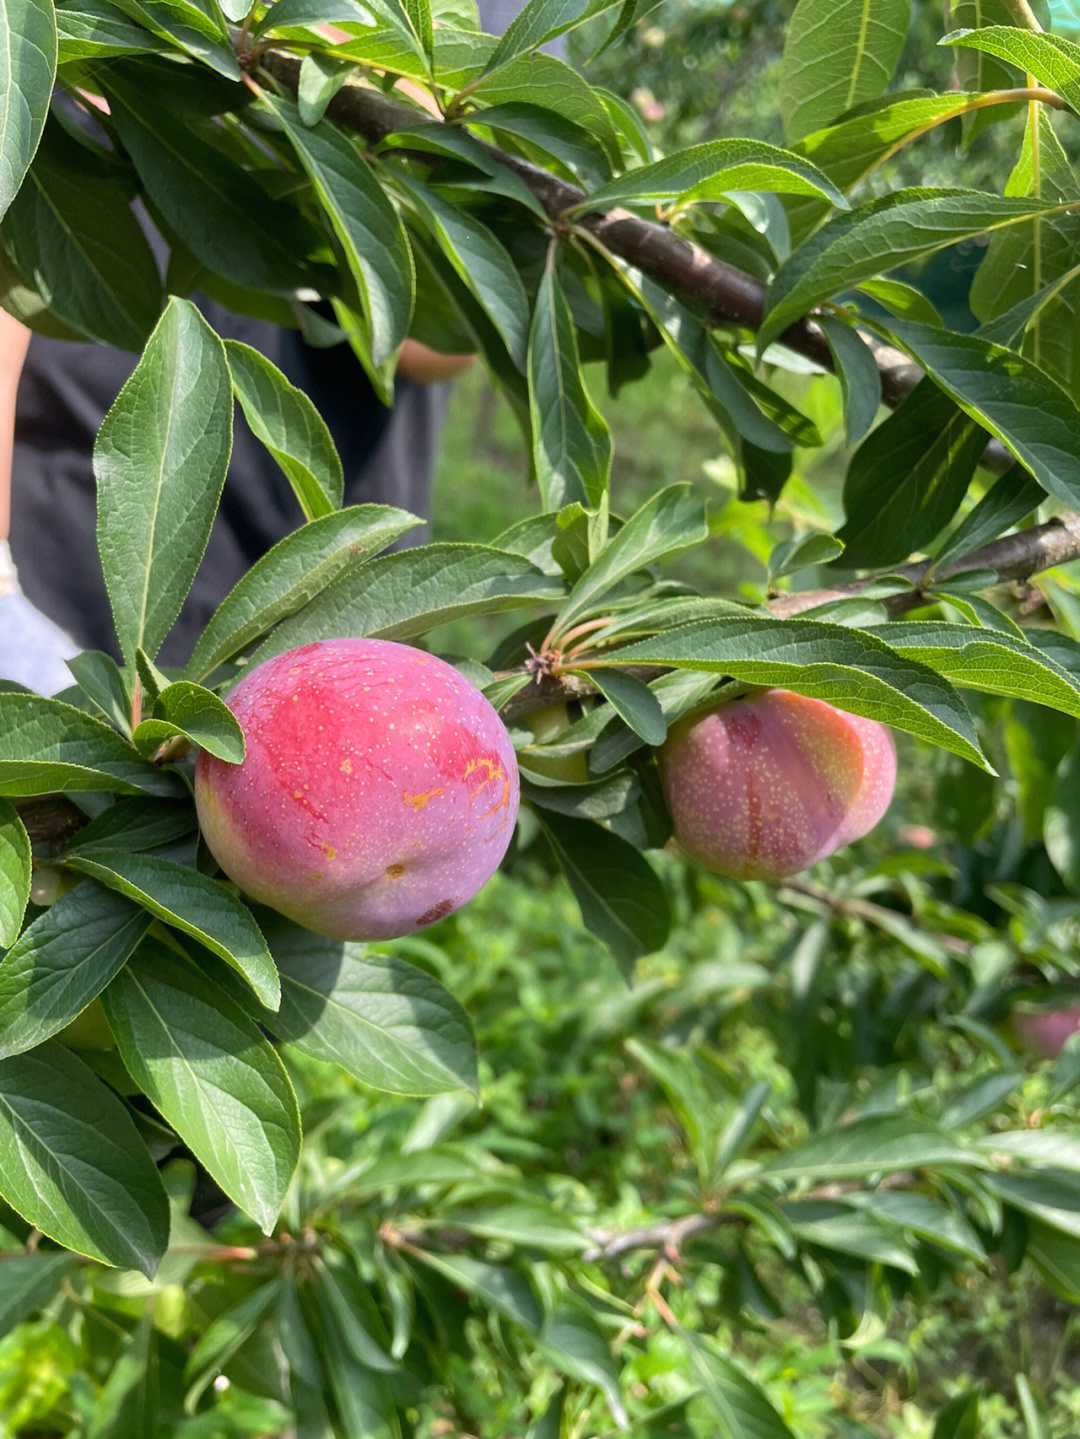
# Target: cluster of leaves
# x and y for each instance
(423, 228)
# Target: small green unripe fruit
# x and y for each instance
(767, 784)
(377, 794)
(547, 724)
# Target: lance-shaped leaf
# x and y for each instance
(14, 875)
(387, 1022)
(571, 440)
(72, 232)
(1052, 59)
(710, 171)
(27, 71)
(72, 1161)
(136, 824)
(30, 1281)
(496, 1286)
(838, 54)
(540, 21)
(558, 138)
(871, 1145)
(880, 236)
(366, 223)
(398, 596)
(634, 703)
(160, 460)
(187, 711)
(63, 961)
(46, 745)
(298, 568)
(988, 660)
(908, 478)
(290, 427)
(670, 521)
(216, 207)
(574, 1342)
(400, 19)
(849, 668)
(211, 1074)
(742, 1407)
(1008, 395)
(195, 904)
(1009, 500)
(860, 378)
(480, 260)
(525, 77)
(95, 29)
(621, 899)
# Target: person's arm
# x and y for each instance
(425, 366)
(14, 339)
(32, 648)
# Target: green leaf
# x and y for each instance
(901, 300)
(1009, 500)
(680, 1077)
(621, 899)
(388, 1023)
(72, 232)
(838, 54)
(880, 236)
(365, 222)
(1008, 395)
(135, 825)
(573, 1341)
(925, 1218)
(63, 961)
(877, 1144)
(46, 746)
(836, 1225)
(127, 1406)
(540, 21)
(670, 521)
(908, 478)
(988, 660)
(288, 424)
(526, 1226)
(362, 1397)
(224, 1335)
(1061, 822)
(1024, 260)
(743, 1408)
(1051, 1197)
(571, 440)
(634, 703)
(15, 864)
(195, 904)
(526, 77)
(27, 72)
(496, 1286)
(105, 685)
(187, 710)
(858, 373)
(479, 259)
(295, 571)
(710, 172)
(1052, 59)
(959, 1419)
(321, 77)
(558, 139)
(211, 1075)
(95, 29)
(160, 460)
(30, 1281)
(1033, 1409)
(850, 668)
(802, 553)
(405, 594)
(216, 207)
(72, 1162)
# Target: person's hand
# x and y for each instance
(32, 648)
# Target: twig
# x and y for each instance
(878, 915)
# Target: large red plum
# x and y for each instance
(377, 794)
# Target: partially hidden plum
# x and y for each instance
(768, 783)
(378, 791)
(1044, 1032)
